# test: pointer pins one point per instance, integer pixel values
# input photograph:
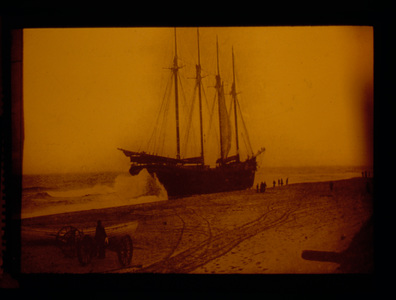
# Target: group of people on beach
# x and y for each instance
(261, 188)
(280, 182)
(263, 185)
(366, 174)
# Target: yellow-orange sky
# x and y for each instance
(306, 92)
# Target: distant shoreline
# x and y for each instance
(148, 205)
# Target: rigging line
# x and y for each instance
(194, 138)
(191, 127)
(183, 98)
(150, 141)
(230, 112)
(154, 140)
(160, 139)
(189, 118)
(163, 129)
(245, 141)
(193, 145)
(185, 107)
(186, 63)
(208, 108)
(206, 99)
(244, 127)
(212, 111)
(232, 124)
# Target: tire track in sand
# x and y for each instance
(192, 226)
(179, 238)
(216, 246)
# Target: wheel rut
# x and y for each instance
(187, 260)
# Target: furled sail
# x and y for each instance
(225, 126)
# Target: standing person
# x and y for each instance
(257, 187)
(281, 182)
(100, 238)
(278, 182)
(274, 183)
(287, 180)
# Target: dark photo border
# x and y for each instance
(16, 17)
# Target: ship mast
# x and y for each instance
(175, 70)
(234, 96)
(219, 95)
(199, 82)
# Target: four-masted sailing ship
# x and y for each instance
(188, 176)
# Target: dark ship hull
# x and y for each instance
(190, 176)
(182, 181)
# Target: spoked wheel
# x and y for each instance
(125, 250)
(67, 239)
(85, 250)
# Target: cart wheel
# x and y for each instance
(67, 239)
(85, 250)
(125, 250)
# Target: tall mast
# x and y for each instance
(219, 95)
(234, 96)
(175, 70)
(199, 79)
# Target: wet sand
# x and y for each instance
(291, 229)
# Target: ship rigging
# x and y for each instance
(187, 176)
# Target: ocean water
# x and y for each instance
(59, 193)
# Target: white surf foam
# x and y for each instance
(125, 190)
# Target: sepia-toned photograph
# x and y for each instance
(210, 150)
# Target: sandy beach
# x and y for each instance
(298, 228)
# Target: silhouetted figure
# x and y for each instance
(274, 183)
(278, 182)
(287, 181)
(100, 238)
(281, 182)
(331, 185)
(257, 187)
(263, 185)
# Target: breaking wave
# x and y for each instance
(123, 190)
(131, 187)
